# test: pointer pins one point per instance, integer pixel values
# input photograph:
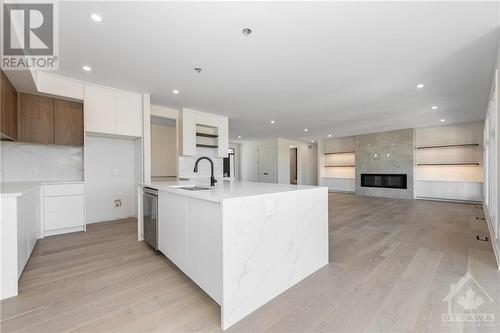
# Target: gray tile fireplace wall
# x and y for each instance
(385, 153)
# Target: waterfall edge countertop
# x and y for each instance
(225, 189)
(17, 189)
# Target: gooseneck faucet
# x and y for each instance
(212, 178)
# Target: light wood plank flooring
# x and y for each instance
(391, 264)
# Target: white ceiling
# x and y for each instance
(341, 68)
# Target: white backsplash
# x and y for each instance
(186, 165)
(31, 162)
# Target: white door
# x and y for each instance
(266, 163)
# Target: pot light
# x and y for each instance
(434, 107)
(272, 121)
(239, 136)
(329, 135)
(305, 130)
(443, 120)
(198, 70)
(312, 141)
(175, 91)
(420, 86)
(96, 17)
(87, 68)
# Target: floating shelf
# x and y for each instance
(207, 135)
(434, 164)
(450, 146)
(340, 152)
(206, 146)
(340, 166)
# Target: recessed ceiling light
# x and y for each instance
(96, 17)
(443, 120)
(434, 107)
(420, 86)
(246, 31)
(312, 141)
(239, 136)
(197, 69)
(272, 121)
(87, 68)
(329, 135)
(305, 130)
(175, 91)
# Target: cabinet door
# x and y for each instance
(63, 212)
(68, 123)
(172, 228)
(128, 114)
(8, 108)
(99, 109)
(36, 119)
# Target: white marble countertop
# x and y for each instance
(225, 189)
(17, 189)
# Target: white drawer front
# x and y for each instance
(63, 212)
(63, 189)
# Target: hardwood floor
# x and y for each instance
(391, 265)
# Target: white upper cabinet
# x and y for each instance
(99, 109)
(111, 111)
(128, 114)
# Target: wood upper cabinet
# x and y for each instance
(47, 120)
(68, 123)
(36, 119)
(8, 108)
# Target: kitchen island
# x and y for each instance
(243, 243)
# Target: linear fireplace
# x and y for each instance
(384, 180)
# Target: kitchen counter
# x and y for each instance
(227, 189)
(17, 189)
(242, 243)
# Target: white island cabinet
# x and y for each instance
(243, 243)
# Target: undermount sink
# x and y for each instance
(194, 188)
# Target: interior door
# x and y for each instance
(266, 163)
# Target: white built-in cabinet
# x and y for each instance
(27, 226)
(190, 121)
(110, 111)
(63, 208)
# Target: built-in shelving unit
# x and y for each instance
(340, 166)
(456, 164)
(206, 135)
(206, 146)
(463, 145)
(340, 152)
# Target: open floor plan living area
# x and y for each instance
(286, 166)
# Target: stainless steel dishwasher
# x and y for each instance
(150, 216)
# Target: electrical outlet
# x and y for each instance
(118, 203)
(34, 172)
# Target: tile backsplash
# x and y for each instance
(31, 162)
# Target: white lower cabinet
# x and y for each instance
(446, 190)
(63, 208)
(27, 226)
(172, 232)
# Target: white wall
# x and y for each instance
(307, 161)
(110, 174)
(31, 162)
(163, 151)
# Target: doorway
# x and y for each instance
(293, 165)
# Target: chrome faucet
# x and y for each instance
(212, 178)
